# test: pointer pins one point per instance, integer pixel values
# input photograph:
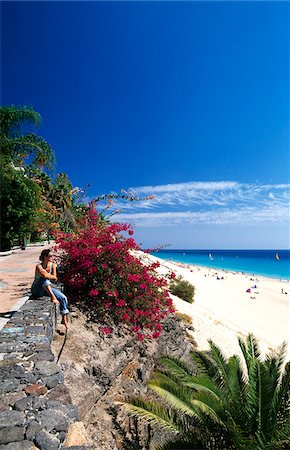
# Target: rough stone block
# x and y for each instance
(8, 400)
(33, 429)
(11, 419)
(38, 389)
(10, 434)
(46, 368)
(24, 404)
(21, 445)
(46, 441)
(43, 356)
(8, 386)
(53, 380)
(60, 393)
(52, 420)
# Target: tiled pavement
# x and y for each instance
(16, 276)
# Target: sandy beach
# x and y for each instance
(223, 310)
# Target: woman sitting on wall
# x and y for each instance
(45, 273)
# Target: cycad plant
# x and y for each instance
(226, 405)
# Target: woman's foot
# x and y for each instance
(64, 321)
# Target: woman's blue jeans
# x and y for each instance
(39, 290)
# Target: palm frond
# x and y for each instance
(221, 363)
(205, 408)
(178, 398)
(176, 366)
(31, 143)
(203, 383)
(252, 346)
(205, 364)
(12, 117)
(236, 383)
(281, 398)
(154, 413)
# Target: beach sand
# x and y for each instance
(223, 310)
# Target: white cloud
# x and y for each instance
(178, 187)
(219, 202)
(243, 216)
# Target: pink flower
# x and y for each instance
(94, 293)
(156, 334)
(104, 266)
(120, 303)
(131, 232)
(106, 330)
(125, 317)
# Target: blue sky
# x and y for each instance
(187, 101)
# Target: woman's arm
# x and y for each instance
(44, 273)
(53, 272)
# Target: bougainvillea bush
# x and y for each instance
(103, 273)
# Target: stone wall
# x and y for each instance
(36, 411)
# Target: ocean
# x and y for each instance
(258, 262)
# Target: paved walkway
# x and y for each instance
(16, 276)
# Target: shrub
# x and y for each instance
(184, 318)
(182, 288)
(102, 273)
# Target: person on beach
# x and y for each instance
(45, 273)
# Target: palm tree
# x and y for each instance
(62, 198)
(16, 146)
(226, 405)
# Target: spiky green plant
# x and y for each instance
(225, 405)
(15, 145)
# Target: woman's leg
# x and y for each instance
(63, 305)
(47, 287)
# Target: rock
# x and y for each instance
(53, 380)
(10, 434)
(28, 378)
(76, 435)
(38, 389)
(22, 445)
(8, 386)
(24, 404)
(43, 356)
(69, 410)
(11, 419)
(78, 447)
(46, 441)
(52, 420)
(60, 393)
(46, 368)
(8, 400)
(33, 429)
(39, 402)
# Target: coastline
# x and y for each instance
(223, 310)
(242, 271)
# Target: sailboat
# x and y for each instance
(210, 256)
(277, 256)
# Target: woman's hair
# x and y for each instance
(44, 253)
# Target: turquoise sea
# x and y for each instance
(258, 262)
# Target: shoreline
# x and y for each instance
(223, 310)
(245, 272)
(217, 269)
